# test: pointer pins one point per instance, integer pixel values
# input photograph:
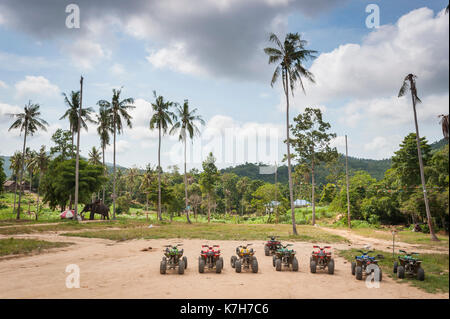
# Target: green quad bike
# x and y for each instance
(173, 258)
(245, 259)
(409, 265)
(285, 257)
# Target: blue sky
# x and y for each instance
(211, 53)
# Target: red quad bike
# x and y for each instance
(321, 259)
(271, 246)
(210, 257)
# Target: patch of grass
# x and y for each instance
(435, 266)
(69, 225)
(216, 231)
(13, 246)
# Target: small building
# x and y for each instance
(9, 186)
(301, 203)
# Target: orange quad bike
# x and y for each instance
(321, 258)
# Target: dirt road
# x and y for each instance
(121, 270)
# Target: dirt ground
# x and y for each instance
(111, 269)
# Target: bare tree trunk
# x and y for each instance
(21, 168)
(77, 158)
(422, 175)
(159, 174)
(291, 193)
(313, 193)
(185, 184)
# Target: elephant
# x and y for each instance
(96, 207)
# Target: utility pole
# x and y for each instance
(77, 163)
(346, 177)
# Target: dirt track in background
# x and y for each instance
(121, 270)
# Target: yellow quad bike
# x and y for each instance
(245, 259)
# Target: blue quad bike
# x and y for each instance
(365, 265)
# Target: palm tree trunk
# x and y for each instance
(185, 184)
(291, 193)
(15, 193)
(38, 190)
(114, 169)
(104, 167)
(313, 193)
(209, 210)
(21, 169)
(29, 200)
(159, 173)
(422, 175)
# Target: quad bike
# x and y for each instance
(271, 246)
(173, 258)
(321, 259)
(285, 257)
(245, 259)
(361, 265)
(409, 265)
(210, 257)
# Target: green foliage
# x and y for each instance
(123, 204)
(64, 147)
(58, 183)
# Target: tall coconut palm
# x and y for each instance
(118, 110)
(29, 123)
(161, 120)
(289, 57)
(186, 125)
(73, 102)
(444, 124)
(42, 161)
(409, 83)
(14, 164)
(95, 156)
(104, 127)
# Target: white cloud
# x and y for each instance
(416, 44)
(35, 85)
(3, 85)
(85, 53)
(383, 147)
(175, 58)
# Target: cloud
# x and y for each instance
(35, 85)
(85, 53)
(3, 85)
(14, 62)
(383, 147)
(224, 37)
(118, 69)
(174, 58)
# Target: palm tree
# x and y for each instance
(161, 120)
(31, 164)
(104, 127)
(130, 178)
(15, 162)
(289, 57)
(147, 179)
(118, 110)
(94, 156)
(410, 83)
(42, 160)
(72, 113)
(28, 122)
(186, 125)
